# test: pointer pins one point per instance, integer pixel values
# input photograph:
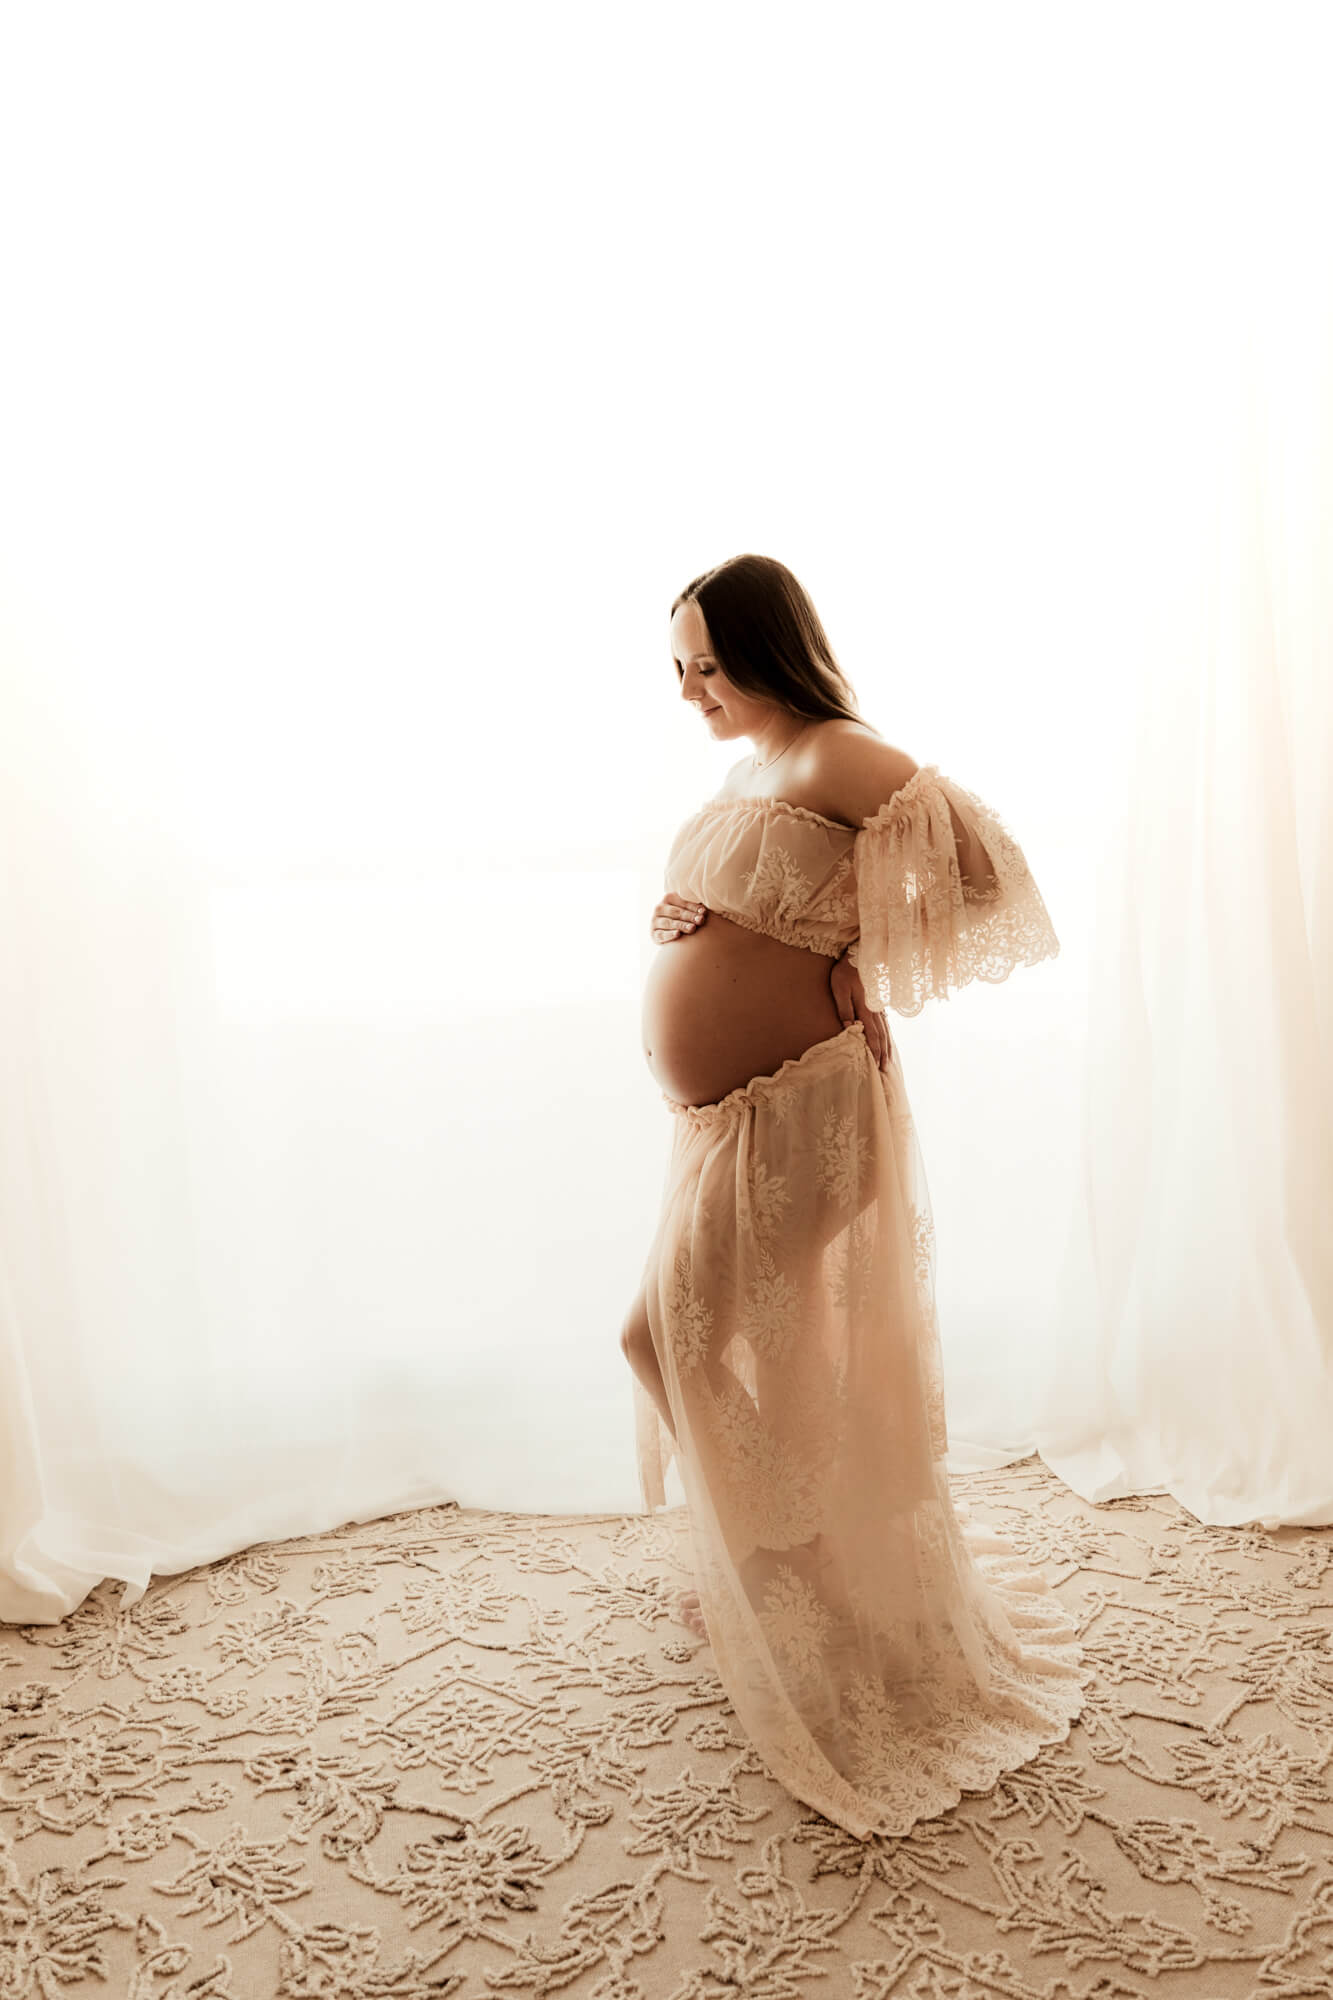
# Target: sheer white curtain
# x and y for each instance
(1197, 1288)
(361, 421)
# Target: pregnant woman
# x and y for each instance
(883, 1652)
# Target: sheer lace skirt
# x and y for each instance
(883, 1652)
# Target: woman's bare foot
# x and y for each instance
(689, 1611)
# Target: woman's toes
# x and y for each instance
(690, 1612)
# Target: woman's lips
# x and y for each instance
(713, 710)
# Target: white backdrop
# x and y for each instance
(372, 379)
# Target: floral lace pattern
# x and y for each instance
(881, 1652)
(769, 866)
(923, 930)
(917, 917)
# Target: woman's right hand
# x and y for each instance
(676, 916)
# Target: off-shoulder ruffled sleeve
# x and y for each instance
(935, 912)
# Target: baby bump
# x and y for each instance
(723, 1004)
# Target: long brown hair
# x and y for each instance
(767, 637)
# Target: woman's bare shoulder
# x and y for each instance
(842, 727)
(857, 772)
(799, 772)
(840, 760)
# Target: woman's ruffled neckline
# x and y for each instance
(762, 802)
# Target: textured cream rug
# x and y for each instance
(466, 1754)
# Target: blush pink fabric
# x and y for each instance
(883, 1652)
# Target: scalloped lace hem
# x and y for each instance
(992, 971)
(1034, 1701)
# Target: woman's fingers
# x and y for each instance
(877, 1035)
(668, 925)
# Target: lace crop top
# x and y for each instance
(929, 893)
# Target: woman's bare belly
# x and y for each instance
(723, 1004)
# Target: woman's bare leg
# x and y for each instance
(636, 1344)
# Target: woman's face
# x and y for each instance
(726, 712)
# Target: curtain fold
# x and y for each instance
(1197, 1282)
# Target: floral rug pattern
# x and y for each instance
(457, 1753)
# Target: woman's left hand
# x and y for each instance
(849, 997)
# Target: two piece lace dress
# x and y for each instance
(883, 1652)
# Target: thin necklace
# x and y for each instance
(781, 753)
